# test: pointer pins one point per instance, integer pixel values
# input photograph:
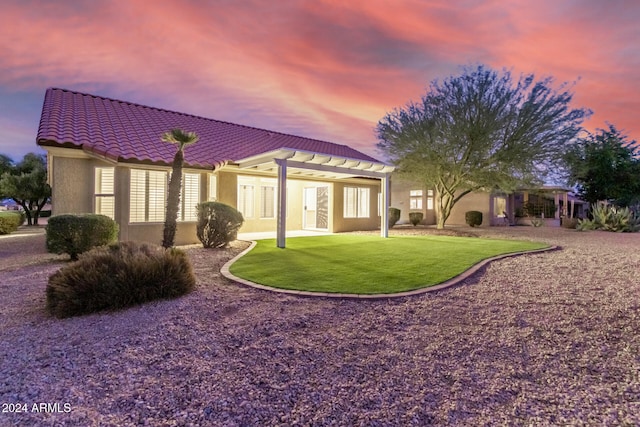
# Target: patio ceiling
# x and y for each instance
(302, 164)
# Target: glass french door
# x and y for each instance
(316, 208)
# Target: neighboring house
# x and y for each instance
(106, 156)
(549, 202)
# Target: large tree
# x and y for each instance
(26, 184)
(182, 138)
(480, 130)
(6, 165)
(605, 167)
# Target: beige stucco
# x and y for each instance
(477, 201)
(72, 181)
(73, 190)
(400, 199)
(342, 224)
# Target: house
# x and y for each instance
(106, 156)
(549, 202)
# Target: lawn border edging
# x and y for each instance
(444, 285)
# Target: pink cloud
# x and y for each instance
(323, 69)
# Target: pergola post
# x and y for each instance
(556, 201)
(572, 208)
(282, 203)
(384, 217)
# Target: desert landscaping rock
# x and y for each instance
(541, 339)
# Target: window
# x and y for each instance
(213, 188)
(189, 197)
(104, 192)
(499, 206)
(147, 196)
(267, 201)
(415, 199)
(356, 202)
(430, 200)
(245, 200)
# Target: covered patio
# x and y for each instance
(299, 164)
(550, 203)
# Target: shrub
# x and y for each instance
(585, 224)
(610, 218)
(218, 224)
(394, 216)
(537, 222)
(10, 221)
(569, 222)
(473, 218)
(415, 218)
(75, 234)
(118, 276)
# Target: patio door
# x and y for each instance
(316, 208)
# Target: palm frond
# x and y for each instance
(179, 136)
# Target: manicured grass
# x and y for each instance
(367, 264)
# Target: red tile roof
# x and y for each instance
(124, 131)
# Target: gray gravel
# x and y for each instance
(545, 339)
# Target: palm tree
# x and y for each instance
(182, 138)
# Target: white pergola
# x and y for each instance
(301, 164)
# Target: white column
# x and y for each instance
(282, 203)
(572, 208)
(384, 218)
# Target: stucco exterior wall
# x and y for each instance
(71, 185)
(342, 224)
(479, 201)
(400, 199)
(72, 177)
(150, 232)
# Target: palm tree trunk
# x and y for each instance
(173, 201)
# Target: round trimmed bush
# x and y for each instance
(473, 218)
(218, 224)
(10, 221)
(118, 276)
(415, 218)
(394, 216)
(75, 234)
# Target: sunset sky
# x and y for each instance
(321, 68)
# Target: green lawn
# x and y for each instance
(367, 264)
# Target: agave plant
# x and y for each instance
(611, 218)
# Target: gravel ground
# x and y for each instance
(545, 339)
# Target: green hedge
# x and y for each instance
(218, 224)
(118, 276)
(415, 218)
(10, 221)
(473, 218)
(75, 234)
(394, 216)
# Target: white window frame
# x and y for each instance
(357, 201)
(268, 201)
(246, 202)
(189, 197)
(150, 196)
(213, 188)
(415, 199)
(430, 200)
(104, 191)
